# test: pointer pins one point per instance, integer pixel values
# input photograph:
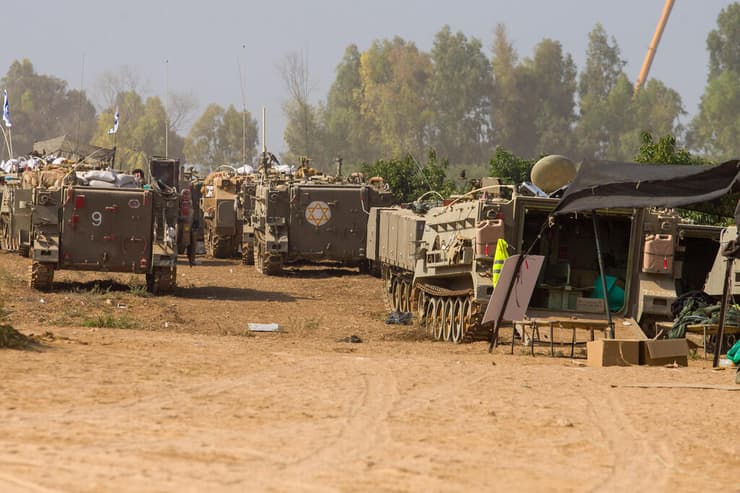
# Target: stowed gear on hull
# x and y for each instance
(111, 229)
(311, 217)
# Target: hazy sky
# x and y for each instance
(203, 43)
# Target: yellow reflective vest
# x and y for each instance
(502, 253)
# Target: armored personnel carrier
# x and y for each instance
(15, 216)
(222, 218)
(438, 263)
(245, 204)
(104, 221)
(312, 217)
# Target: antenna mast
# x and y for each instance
(79, 104)
(264, 122)
(244, 110)
(166, 108)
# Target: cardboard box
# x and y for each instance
(613, 352)
(664, 352)
(590, 305)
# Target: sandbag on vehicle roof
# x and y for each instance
(609, 184)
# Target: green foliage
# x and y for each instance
(664, 151)
(42, 107)
(716, 128)
(216, 137)
(723, 43)
(612, 116)
(407, 180)
(509, 167)
(141, 131)
(137, 288)
(459, 96)
(394, 78)
(346, 131)
(597, 81)
(303, 135)
(532, 111)
(554, 79)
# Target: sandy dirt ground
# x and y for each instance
(175, 394)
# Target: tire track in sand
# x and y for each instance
(363, 429)
(636, 464)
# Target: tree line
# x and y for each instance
(396, 103)
(394, 98)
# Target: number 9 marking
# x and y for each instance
(97, 218)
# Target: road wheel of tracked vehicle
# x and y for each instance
(41, 276)
(421, 307)
(458, 320)
(466, 317)
(405, 296)
(248, 254)
(449, 319)
(5, 236)
(395, 293)
(273, 265)
(24, 249)
(437, 319)
(162, 280)
(222, 247)
(208, 240)
(429, 316)
(269, 265)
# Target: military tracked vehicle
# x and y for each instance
(438, 263)
(222, 218)
(245, 204)
(106, 222)
(312, 217)
(15, 217)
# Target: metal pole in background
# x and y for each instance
(244, 109)
(726, 293)
(166, 108)
(608, 312)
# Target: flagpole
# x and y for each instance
(7, 144)
(114, 131)
(6, 120)
(115, 137)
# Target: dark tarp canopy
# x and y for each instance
(609, 184)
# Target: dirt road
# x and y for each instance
(177, 395)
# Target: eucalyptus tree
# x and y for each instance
(43, 107)
(395, 76)
(716, 128)
(346, 130)
(459, 98)
(603, 70)
(216, 137)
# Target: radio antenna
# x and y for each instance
(244, 109)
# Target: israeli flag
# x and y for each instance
(115, 125)
(6, 109)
